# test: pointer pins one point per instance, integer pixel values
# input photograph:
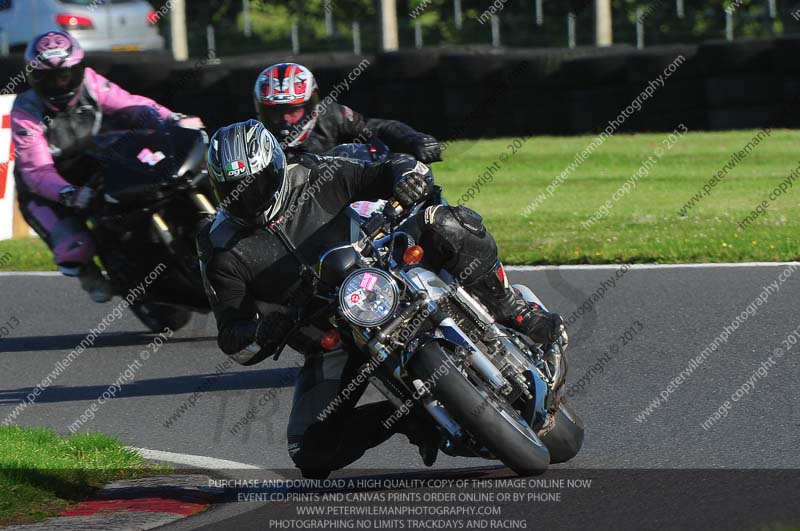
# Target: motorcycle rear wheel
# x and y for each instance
(509, 439)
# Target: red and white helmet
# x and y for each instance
(56, 62)
(286, 96)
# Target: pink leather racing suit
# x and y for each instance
(49, 145)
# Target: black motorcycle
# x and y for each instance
(433, 347)
(152, 194)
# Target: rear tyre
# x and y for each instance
(157, 317)
(509, 439)
(564, 440)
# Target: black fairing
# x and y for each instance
(129, 171)
(131, 191)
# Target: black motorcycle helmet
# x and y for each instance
(247, 168)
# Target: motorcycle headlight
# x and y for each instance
(368, 297)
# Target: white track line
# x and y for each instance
(199, 461)
(590, 267)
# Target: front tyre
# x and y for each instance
(500, 429)
(565, 438)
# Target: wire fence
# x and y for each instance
(659, 22)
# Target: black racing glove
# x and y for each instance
(272, 330)
(425, 148)
(413, 180)
(76, 197)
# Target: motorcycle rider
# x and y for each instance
(255, 260)
(52, 124)
(286, 98)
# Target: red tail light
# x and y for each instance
(331, 339)
(152, 17)
(73, 22)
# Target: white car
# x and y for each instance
(99, 25)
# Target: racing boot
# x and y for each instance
(94, 283)
(511, 310)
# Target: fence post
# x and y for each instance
(177, 25)
(603, 27)
(680, 9)
(640, 27)
(418, 34)
(571, 30)
(495, 31)
(458, 14)
(295, 38)
(390, 39)
(773, 9)
(356, 38)
(248, 28)
(212, 42)
(729, 24)
(326, 4)
(539, 13)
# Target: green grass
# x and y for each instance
(25, 254)
(42, 473)
(643, 226)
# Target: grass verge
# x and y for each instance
(25, 254)
(42, 473)
(643, 225)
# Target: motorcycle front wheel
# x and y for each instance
(565, 438)
(489, 421)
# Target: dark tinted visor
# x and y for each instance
(51, 83)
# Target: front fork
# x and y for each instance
(161, 227)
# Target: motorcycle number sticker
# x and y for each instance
(368, 282)
(235, 168)
(366, 208)
(354, 298)
(146, 156)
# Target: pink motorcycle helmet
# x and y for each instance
(56, 67)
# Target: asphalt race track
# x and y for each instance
(670, 315)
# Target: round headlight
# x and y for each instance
(368, 297)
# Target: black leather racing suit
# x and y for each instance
(342, 125)
(250, 273)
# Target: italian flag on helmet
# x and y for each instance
(235, 167)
